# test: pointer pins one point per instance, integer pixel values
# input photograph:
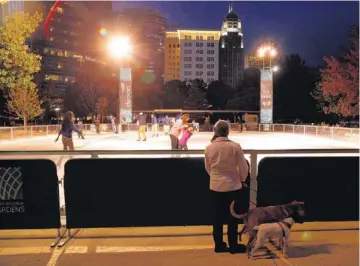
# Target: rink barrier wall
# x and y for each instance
(339, 182)
(29, 194)
(339, 133)
(329, 186)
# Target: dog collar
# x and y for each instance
(286, 224)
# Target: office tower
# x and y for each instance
(231, 49)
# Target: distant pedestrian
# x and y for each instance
(67, 127)
(97, 125)
(123, 124)
(80, 127)
(166, 125)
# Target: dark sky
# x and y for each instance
(312, 29)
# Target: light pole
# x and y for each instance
(120, 48)
(265, 51)
(58, 114)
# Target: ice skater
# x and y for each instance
(175, 131)
(187, 132)
(142, 127)
(154, 126)
(67, 127)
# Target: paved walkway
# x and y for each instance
(176, 246)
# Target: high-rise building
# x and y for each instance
(9, 7)
(147, 29)
(192, 54)
(231, 49)
(63, 41)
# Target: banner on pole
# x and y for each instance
(125, 94)
(266, 96)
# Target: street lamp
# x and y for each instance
(269, 52)
(121, 48)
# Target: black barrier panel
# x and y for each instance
(329, 186)
(29, 195)
(136, 192)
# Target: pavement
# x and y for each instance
(317, 244)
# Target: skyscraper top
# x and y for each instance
(230, 7)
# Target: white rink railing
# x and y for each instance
(339, 133)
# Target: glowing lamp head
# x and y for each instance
(261, 52)
(120, 47)
(273, 52)
(275, 68)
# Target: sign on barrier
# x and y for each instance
(329, 186)
(29, 195)
(137, 192)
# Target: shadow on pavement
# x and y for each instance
(309, 250)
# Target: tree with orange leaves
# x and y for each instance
(338, 90)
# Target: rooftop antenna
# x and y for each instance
(230, 7)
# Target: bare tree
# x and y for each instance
(88, 93)
(102, 107)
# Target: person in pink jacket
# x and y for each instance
(228, 169)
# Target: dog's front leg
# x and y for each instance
(285, 246)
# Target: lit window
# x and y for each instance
(60, 65)
(51, 39)
(59, 9)
(51, 77)
(46, 50)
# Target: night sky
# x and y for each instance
(312, 29)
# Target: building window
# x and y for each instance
(187, 73)
(199, 44)
(199, 73)
(60, 9)
(187, 66)
(187, 59)
(199, 66)
(69, 79)
(210, 52)
(210, 73)
(51, 77)
(210, 44)
(210, 59)
(60, 65)
(210, 38)
(178, 46)
(187, 51)
(187, 37)
(169, 45)
(199, 59)
(210, 66)
(199, 51)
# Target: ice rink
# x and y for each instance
(127, 141)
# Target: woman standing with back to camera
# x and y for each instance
(228, 169)
(67, 127)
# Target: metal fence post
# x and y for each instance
(283, 128)
(331, 132)
(12, 133)
(316, 130)
(31, 131)
(47, 130)
(304, 130)
(253, 178)
(293, 126)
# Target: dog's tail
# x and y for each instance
(233, 213)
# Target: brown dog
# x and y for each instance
(270, 214)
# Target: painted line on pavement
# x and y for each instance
(76, 250)
(24, 250)
(55, 257)
(278, 253)
(124, 249)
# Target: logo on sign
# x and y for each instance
(11, 190)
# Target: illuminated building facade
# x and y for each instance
(231, 50)
(192, 54)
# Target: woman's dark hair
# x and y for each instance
(67, 122)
